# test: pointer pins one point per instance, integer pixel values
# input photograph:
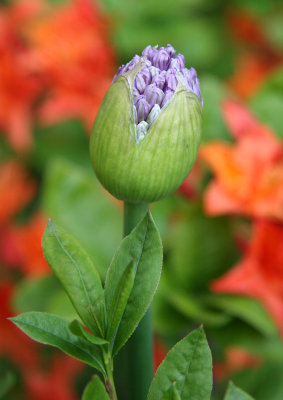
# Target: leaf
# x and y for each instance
(198, 243)
(43, 294)
(95, 390)
(213, 92)
(172, 393)
(144, 245)
(234, 393)
(76, 272)
(34, 294)
(267, 103)
(78, 330)
(247, 309)
(189, 364)
(120, 300)
(7, 381)
(66, 139)
(72, 196)
(192, 308)
(53, 330)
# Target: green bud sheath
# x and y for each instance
(155, 166)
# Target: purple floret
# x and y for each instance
(157, 81)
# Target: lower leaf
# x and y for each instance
(234, 393)
(188, 368)
(53, 330)
(95, 390)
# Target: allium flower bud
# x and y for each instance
(146, 134)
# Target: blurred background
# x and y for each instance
(222, 231)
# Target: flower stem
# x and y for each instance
(139, 346)
(109, 382)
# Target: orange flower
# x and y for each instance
(249, 174)
(27, 245)
(252, 69)
(70, 45)
(259, 58)
(16, 189)
(19, 87)
(192, 184)
(236, 359)
(260, 273)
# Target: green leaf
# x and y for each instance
(213, 92)
(7, 381)
(267, 103)
(73, 197)
(198, 243)
(234, 393)
(77, 329)
(143, 245)
(192, 308)
(247, 309)
(76, 272)
(120, 300)
(66, 139)
(34, 294)
(172, 393)
(189, 365)
(95, 390)
(53, 330)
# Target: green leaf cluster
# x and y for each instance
(107, 315)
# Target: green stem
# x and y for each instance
(139, 346)
(109, 382)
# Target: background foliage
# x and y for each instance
(222, 231)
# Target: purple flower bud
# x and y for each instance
(148, 52)
(171, 80)
(170, 50)
(142, 79)
(174, 64)
(159, 80)
(154, 71)
(181, 60)
(136, 94)
(143, 108)
(161, 60)
(132, 63)
(193, 73)
(153, 95)
(167, 96)
(119, 72)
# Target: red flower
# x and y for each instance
(258, 59)
(14, 343)
(260, 273)
(27, 246)
(16, 189)
(56, 383)
(236, 359)
(19, 87)
(248, 174)
(70, 45)
(159, 353)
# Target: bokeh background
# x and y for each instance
(222, 231)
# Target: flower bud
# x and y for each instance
(146, 134)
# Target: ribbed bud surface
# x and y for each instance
(147, 131)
